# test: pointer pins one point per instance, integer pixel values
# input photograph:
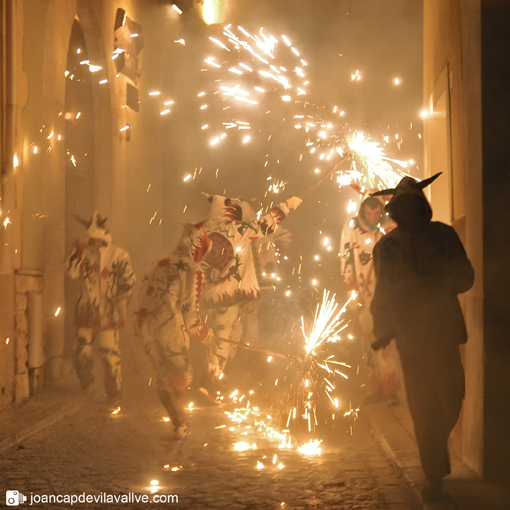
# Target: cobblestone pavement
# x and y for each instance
(92, 451)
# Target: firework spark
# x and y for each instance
(256, 74)
(317, 372)
(370, 167)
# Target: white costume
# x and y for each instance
(356, 245)
(107, 282)
(231, 278)
(167, 315)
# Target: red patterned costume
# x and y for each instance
(107, 282)
(231, 278)
(167, 315)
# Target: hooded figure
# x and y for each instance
(421, 266)
(359, 236)
(107, 282)
(167, 315)
(230, 278)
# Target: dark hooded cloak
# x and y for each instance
(420, 267)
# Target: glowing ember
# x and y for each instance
(311, 448)
(243, 446)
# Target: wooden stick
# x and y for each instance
(325, 176)
(262, 351)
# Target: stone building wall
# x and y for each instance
(27, 381)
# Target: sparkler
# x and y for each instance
(371, 163)
(318, 368)
(334, 169)
(316, 374)
(262, 351)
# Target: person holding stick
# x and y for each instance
(230, 277)
(359, 236)
(167, 316)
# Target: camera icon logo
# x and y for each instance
(14, 498)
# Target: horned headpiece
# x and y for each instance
(95, 226)
(407, 185)
(408, 206)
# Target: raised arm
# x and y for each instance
(268, 223)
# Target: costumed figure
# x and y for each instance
(167, 316)
(359, 236)
(231, 278)
(107, 282)
(421, 266)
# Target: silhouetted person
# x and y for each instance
(107, 282)
(421, 266)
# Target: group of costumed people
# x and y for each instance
(406, 271)
(211, 266)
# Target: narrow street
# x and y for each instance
(91, 451)
(302, 201)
